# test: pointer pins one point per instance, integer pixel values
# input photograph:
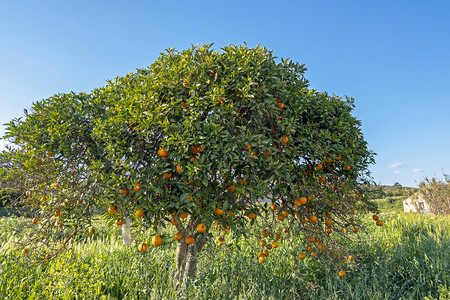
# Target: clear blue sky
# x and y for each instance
(393, 57)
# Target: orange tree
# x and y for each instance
(201, 139)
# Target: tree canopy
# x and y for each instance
(235, 138)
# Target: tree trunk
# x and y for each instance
(180, 264)
(191, 261)
(186, 261)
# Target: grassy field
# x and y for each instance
(408, 258)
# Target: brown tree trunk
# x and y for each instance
(186, 258)
(180, 264)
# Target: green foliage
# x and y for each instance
(407, 258)
(239, 125)
(436, 193)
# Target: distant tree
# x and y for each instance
(436, 192)
(397, 185)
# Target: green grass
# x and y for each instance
(408, 258)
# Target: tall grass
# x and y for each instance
(408, 258)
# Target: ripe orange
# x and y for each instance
(201, 227)
(251, 215)
(379, 223)
(232, 188)
(137, 187)
(189, 240)
(297, 202)
(328, 214)
(162, 152)
(142, 247)
(156, 240)
(347, 168)
(278, 236)
(301, 255)
(342, 273)
(351, 258)
(280, 105)
(274, 207)
(231, 213)
(50, 153)
(280, 217)
(57, 213)
(285, 213)
(91, 231)
(28, 193)
(375, 217)
(25, 252)
(313, 219)
(303, 200)
(328, 230)
(261, 259)
(284, 139)
(139, 213)
(345, 229)
(44, 198)
(35, 221)
(247, 147)
(262, 243)
(119, 221)
(218, 211)
(275, 244)
(178, 236)
(313, 253)
(124, 191)
(265, 233)
(328, 222)
(319, 166)
(179, 170)
(321, 179)
(285, 230)
(266, 252)
(355, 229)
(174, 222)
(183, 215)
(220, 244)
(167, 176)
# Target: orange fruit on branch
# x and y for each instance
(162, 153)
(189, 240)
(142, 247)
(218, 211)
(119, 221)
(137, 187)
(156, 240)
(201, 228)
